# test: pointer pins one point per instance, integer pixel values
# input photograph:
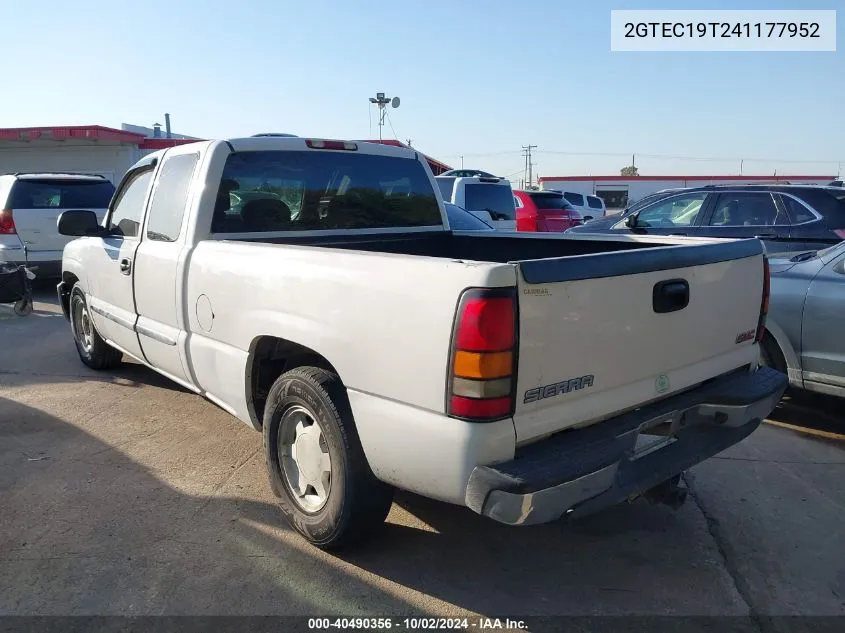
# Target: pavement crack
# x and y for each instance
(728, 557)
(778, 461)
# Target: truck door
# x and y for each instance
(159, 263)
(110, 291)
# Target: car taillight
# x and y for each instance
(840, 233)
(764, 305)
(482, 359)
(7, 222)
(318, 143)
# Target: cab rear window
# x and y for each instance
(61, 194)
(322, 190)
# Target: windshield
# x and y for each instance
(551, 201)
(322, 190)
(462, 220)
(495, 199)
(61, 194)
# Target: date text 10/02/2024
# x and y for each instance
(421, 623)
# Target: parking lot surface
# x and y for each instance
(121, 493)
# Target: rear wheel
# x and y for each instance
(315, 461)
(92, 349)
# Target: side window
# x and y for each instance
(167, 207)
(129, 207)
(747, 209)
(595, 203)
(798, 213)
(517, 202)
(575, 198)
(677, 211)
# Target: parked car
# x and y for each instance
(544, 212)
(589, 207)
(465, 173)
(30, 205)
(785, 217)
(462, 220)
(804, 326)
(490, 194)
(376, 349)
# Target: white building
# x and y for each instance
(619, 191)
(88, 149)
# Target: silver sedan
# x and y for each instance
(804, 329)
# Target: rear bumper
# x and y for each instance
(578, 472)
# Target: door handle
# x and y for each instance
(684, 234)
(670, 295)
(126, 265)
(766, 236)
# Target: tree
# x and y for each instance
(630, 170)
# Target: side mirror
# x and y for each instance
(587, 218)
(631, 221)
(79, 223)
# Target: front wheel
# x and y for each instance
(315, 461)
(92, 349)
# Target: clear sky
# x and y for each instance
(476, 78)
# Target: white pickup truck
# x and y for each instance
(313, 289)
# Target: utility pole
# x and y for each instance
(528, 164)
(462, 160)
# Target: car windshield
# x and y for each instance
(50, 193)
(550, 201)
(462, 220)
(495, 199)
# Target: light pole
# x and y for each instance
(381, 101)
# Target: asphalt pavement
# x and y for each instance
(121, 493)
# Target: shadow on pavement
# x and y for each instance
(86, 530)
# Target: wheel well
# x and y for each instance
(269, 358)
(69, 279)
(773, 349)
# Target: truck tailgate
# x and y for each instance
(601, 334)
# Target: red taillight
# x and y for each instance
(840, 233)
(7, 222)
(764, 304)
(486, 325)
(482, 360)
(319, 143)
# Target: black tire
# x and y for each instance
(92, 349)
(356, 503)
(23, 307)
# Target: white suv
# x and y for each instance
(487, 197)
(590, 207)
(30, 205)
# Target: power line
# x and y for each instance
(391, 125)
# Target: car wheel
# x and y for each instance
(92, 349)
(315, 461)
(23, 307)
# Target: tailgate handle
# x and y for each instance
(670, 295)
